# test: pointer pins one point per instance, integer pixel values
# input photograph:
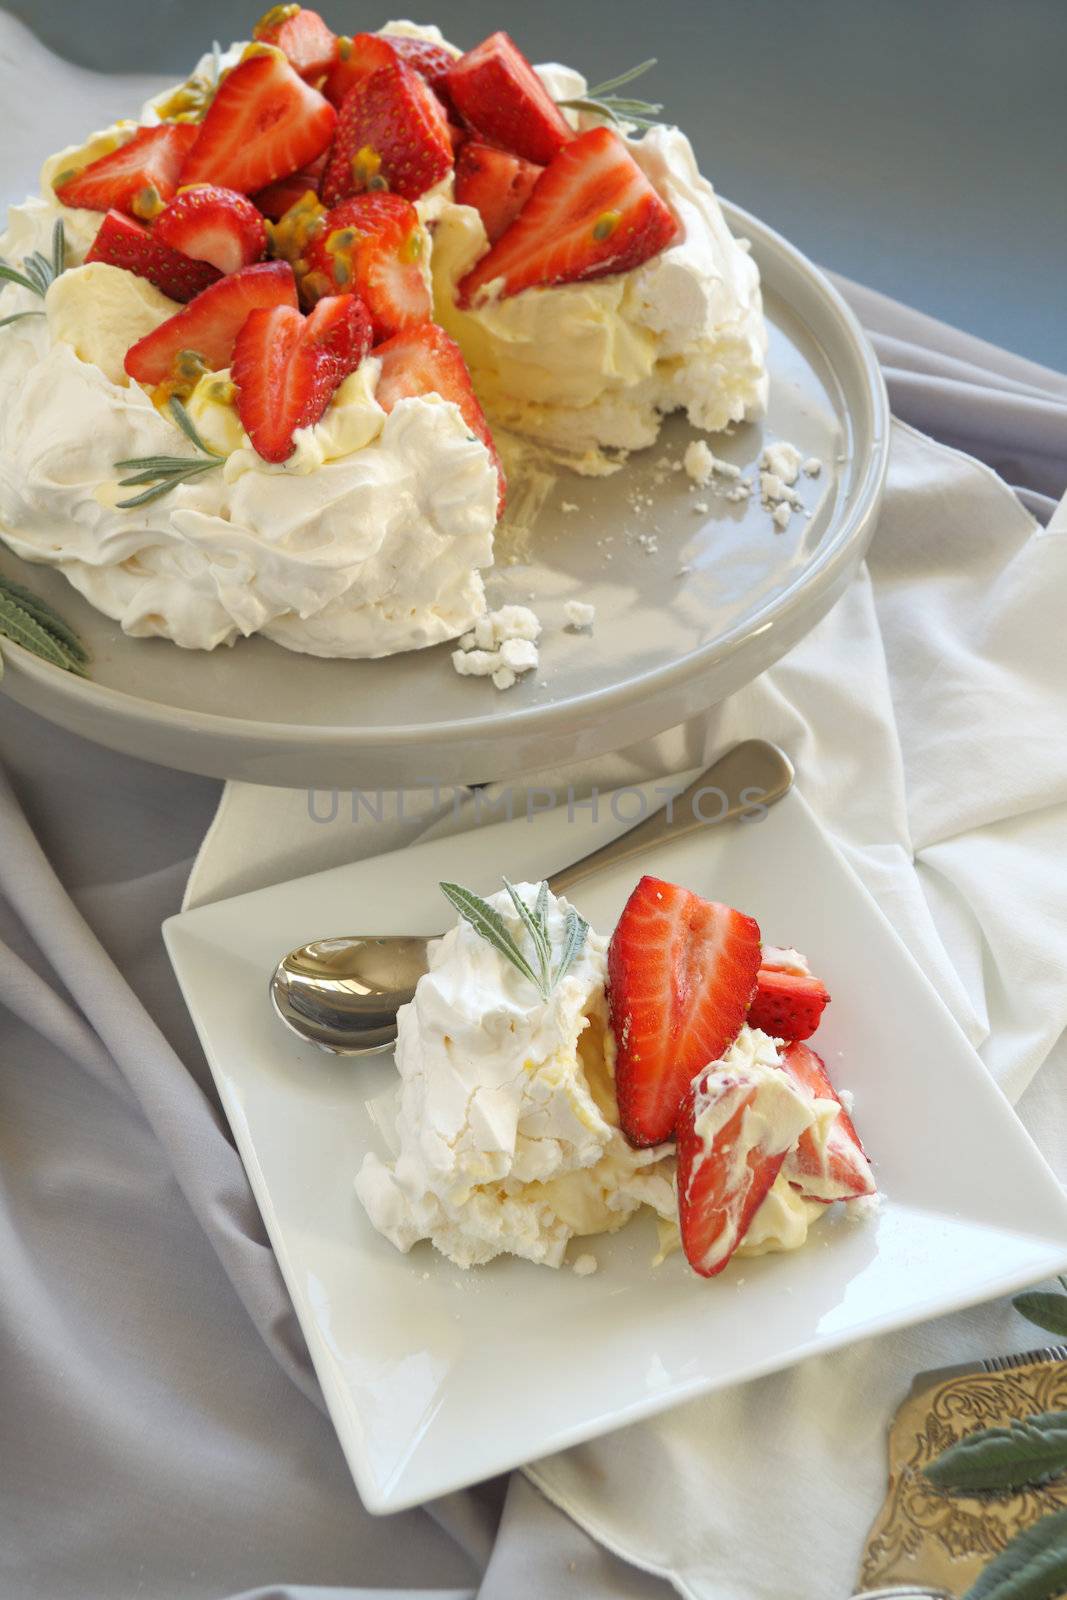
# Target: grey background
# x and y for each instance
(919, 146)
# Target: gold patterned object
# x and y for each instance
(926, 1536)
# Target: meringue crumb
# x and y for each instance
(500, 646)
(864, 1207)
(585, 1265)
(811, 467)
(783, 460)
(579, 613)
(568, 506)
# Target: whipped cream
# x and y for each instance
(586, 367)
(507, 1128)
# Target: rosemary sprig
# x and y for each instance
(542, 972)
(37, 272)
(29, 621)
(601, 100)
(164, 473)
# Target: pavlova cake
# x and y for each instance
(249, 343)
(554, 1083)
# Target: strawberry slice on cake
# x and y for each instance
(392, 133)
(497, 91)
(735, 1129)
(201, 337)
(137, 178)
(592, 213)
(828, 1162)
(287, 367)
(122, 242)
(681, 974)
(264, 123)
(372, 245)
(425, 360)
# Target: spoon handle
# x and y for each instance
(751, 776)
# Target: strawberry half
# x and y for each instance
(274, 201)
(373, 246)
(425, 360)
(202, 334)
(392, 133)
(495, 184)
(827, 1163)
(356, 58)
(735, 1129)
(498, 92)
(302, 36)
(787, 1005)
(213, 224)
(286, 367)
(592, 213)
(138, 178)
(263, 123)
(681, 972)
(121, 242)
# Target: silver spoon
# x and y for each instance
(343, 994)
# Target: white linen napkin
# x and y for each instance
(925, 715)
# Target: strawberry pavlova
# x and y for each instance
(245, 341)
(554, 1082)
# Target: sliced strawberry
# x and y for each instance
(828, 1162)
(498, 92)
(425, 360)
(286, 367)
(356, 58)
(681, 972)
(592, 213)
(495, 184)
(204, 331)
(138, 178)
(431, 61)
(735, 1129)
(787, 1005)
(121, 242)
(302, 35)
(392, 133)
(213, 224)
(263, 123)
(274, 201)
(373, 246)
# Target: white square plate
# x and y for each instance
(436, 1378)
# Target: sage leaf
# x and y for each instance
(1032, 1567)
(1031, 1451)
(47, 616)
(21, 628)
(1044, 1308)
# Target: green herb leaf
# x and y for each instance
(22, 628)
(575, 929)
(17, 316)
(1031, 1451)
(538, 935)
(601, 100)
(1047, 1310)
(164, 473)
(488, 922)
(37, 272)
(48, 618)
(1032, 1567)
